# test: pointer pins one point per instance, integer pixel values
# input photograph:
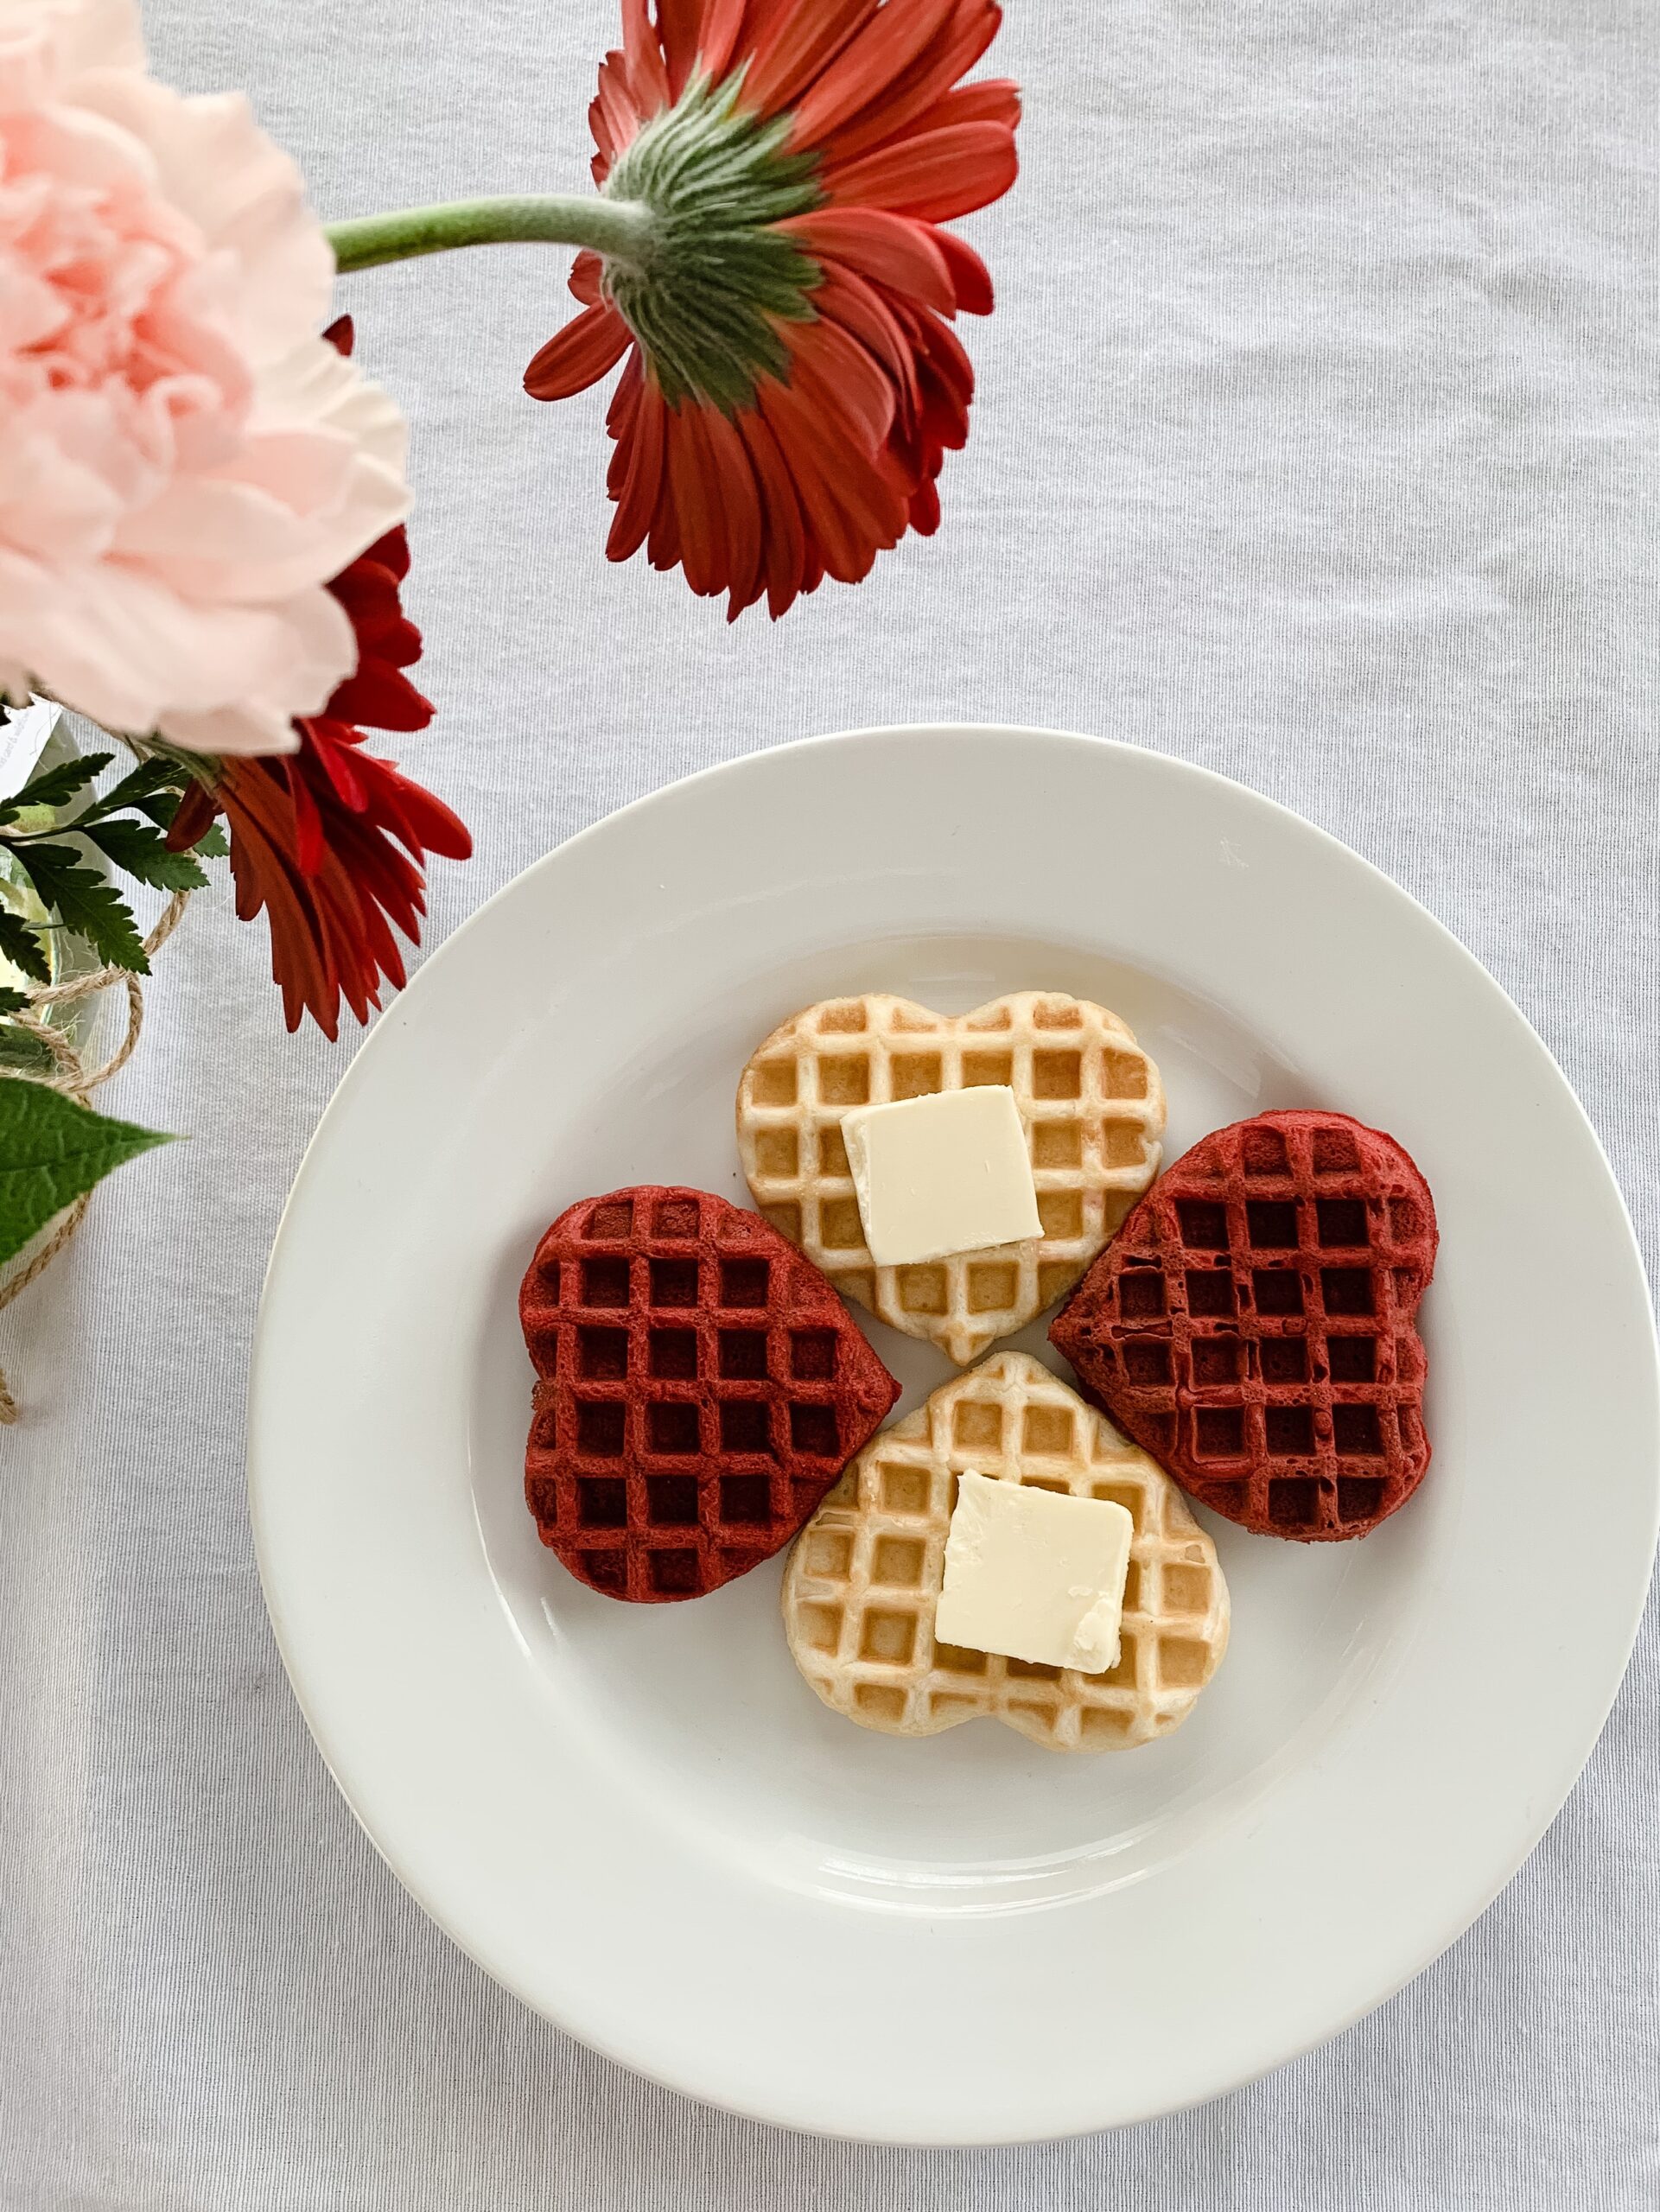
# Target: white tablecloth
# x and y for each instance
(1312, 443)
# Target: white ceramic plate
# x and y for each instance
(640, 1818)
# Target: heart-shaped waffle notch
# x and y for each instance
(1253, 1324)
(864, 1578)
(700, 1386)
(1090, 1100)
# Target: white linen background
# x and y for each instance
(1312, 442)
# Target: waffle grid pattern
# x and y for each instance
(865, 1574)
(1253, 1324)
(1090, 1100)
(700, 1389)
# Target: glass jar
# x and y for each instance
(41, 735)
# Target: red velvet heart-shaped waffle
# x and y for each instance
(700, 1388)
(1252, 1325)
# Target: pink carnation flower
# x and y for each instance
(184, 461)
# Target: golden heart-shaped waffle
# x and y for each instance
(865, 1574)
(1090, 1100)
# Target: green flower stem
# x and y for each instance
(621, 229)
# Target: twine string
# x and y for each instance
(69, 1076)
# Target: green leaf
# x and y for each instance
(84, 903)
(213, 844)
(12, 1001)
(19, 944)
(51, 1150)
(56, 786)
(23, 1050)
(142, 853)
(151, 782)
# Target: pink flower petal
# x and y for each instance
(184, 463)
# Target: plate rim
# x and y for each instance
(397, 1017)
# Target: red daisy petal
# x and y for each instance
(323, 745)
(785, 546)
(925, 508)
(943, 174)
(579, 355)
(621, 117)
(263, 881)
(761, 18)
(663, 539)
(368, 592)
(381, 699)
(391, 551)
(996, 100)
(192, 821)
(851, 382)
(970, 278)
(718, 42)
(648, 80)
(431, 826)
(620, 419)
(861, 310)
(945, 355)
(733, 484)
(715, 504)
(955, 49)
(795, 45)
(867, 66)
(599, 168)
(678, 22)
(663, 546)
(309, 846)
(851, 511)
(889, 248)
(585, 273)
(700, 542)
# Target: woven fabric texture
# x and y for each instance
(1312, 443)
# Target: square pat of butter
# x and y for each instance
(946, 1172)
(1036, 1575)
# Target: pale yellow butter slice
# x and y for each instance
(946, 1172)
(1036, 1575)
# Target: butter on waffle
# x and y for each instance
(865, 1575)
(1090, 1100)
(1254, 1323)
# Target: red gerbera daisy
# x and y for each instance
(314, 834)
(793, 382)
